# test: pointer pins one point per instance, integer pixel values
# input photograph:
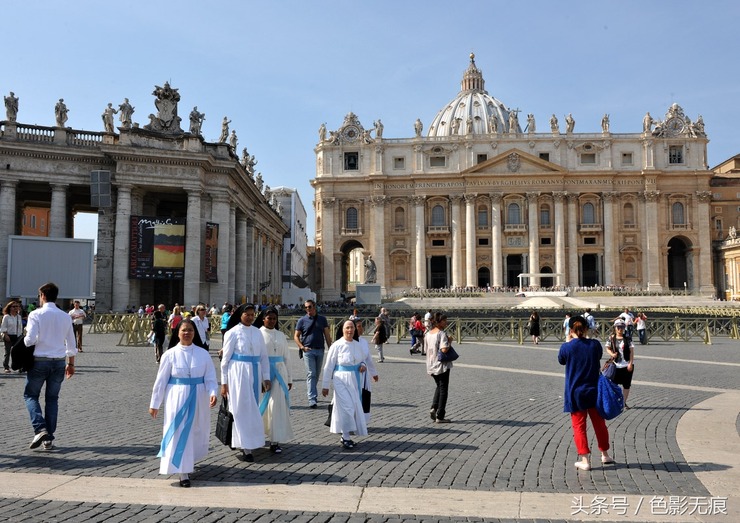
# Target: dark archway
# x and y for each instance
(546, 282)
(679, 259)
(514, 267)
(438, 272)
(484, 277)
(590, 270)
(348, 281)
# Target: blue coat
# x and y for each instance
(582, 360)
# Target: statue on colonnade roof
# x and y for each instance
(166, 119)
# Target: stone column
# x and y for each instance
(420, 273)
(560, 266)
(456, 243)
(610, 239)
(534, 237)
(328, 292)
(104, 259)
(231, 285)
(121, 288)
(471, 275)
(193, 246)
(653, 252)
(221, 214)
(249, 274)
(240, 272)
(573, 258)
(7, 225)
(58, 214)
(379, 240)
(705, 286)
(496, 239)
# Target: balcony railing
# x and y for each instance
(35, 133)
(351, 232)
(590, 227)
(514, 227)
(438, 230)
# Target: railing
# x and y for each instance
(590, 227)
(35, 133)
(351, 232)
(438, 229)
(84, 138)
(512, 227)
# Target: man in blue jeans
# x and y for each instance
(311, 333)
(50, 330)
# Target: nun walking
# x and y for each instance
(245, 371)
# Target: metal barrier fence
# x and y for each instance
(134, 330)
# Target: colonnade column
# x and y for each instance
(231, 286)
(379, 239)
(250, 289)
(240, 258)
(651, 235)
(58, 214)
(420, 273)
(610, 260)
(221, 214)
(534, 237)
(496, 239)
(193, 248)
(705, 285)
(573, 258)
(559, 197)
(7, 221)
(328, 290)
(121, 245)
(456, 244)
(471, 275)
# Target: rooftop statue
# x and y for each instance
(11, 107)
(166, 119)
(108, 118)
(493, 123)
(233, 140)
(570, 123)
(455, 126)
(554, 126)
(647, 123)
(605, 124)
(322, 133)
(60, 113)
(258, 182)
(196, 121)
(126, 113)
(378, 128)
(531, 125)
(224, 130)
(418, 127)
(513, 121)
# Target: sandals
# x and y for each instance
(275, 449)
(348, 443)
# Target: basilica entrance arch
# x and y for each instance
(352, 267)
(438, 271)
(484, 277)
(546, 282)
(680, 260)
(590, 270)
(514, 267)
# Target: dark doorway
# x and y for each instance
(678, 261)
(590, 270)
(514, 267)
(484, 277)
(545, 281)
(438, 272)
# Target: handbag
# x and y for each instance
(450, 355)
(609, 370)
(224, 423)
(609, 399)
(21, 356)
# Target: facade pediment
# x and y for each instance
(515, 161)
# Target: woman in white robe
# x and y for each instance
(186, 381)
(245, 369)
(275, 404)
(372, 371)
(345, 365)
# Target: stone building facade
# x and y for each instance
(156, 171)
(480, 198)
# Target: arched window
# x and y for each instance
(351, 218)
(678, 217)
(629, 214)
(588, 213)
(399, 218)
(545, 215)
(438, 216)
(482, 216)
(513, 214)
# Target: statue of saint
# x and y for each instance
(370, 270)
(699, 126)
(605, 124)
(570, 123)
(378, 128)
(126, 112)
(268, 193)
(513, 121)
(224, 130)
(196, 120)
(493, 123)
(455, 126)
(233, 140)
(554, 126)
(60, 112)
(469, 125)
(366, 138)
(11, 107)
(647, 123)
(108, 118)
(322, 133)
(418, 127)
(258, 182)
(531, 126)
(245, 158)
(250, 166)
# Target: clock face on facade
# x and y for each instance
(675, 125)
(351, 133)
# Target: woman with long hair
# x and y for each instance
(436, 340)
(581, 357)
(622, 351)
(11, 329)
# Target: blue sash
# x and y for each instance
(255, 361)
(187, 413)
(275, 376)
(356, 370)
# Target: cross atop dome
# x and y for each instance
(472, 78)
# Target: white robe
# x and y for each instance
(347, 414)
(184, 362)
(277, 414)
(367, 376)
(248, 430)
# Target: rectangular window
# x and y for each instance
(33, 222)
(545, 241)
(626, 158)
(482, 158)
(351, 162)
(399, 162)
(438, 243)
(675, 154)
(588, 158)
(43, 224)
(545, 156)
(482, 242)
(437, 161)
(589, 240)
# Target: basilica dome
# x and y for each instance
(473, 111)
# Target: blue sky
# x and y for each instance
(279, 69)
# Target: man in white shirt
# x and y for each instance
(50, 330)
(78, 316)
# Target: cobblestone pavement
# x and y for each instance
(509, 433)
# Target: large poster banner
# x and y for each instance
(157, 248)
(210, 263)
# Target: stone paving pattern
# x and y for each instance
(509, 432)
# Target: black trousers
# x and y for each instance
(439, 402)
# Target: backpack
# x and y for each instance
(591, 322)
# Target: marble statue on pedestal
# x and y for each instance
(258, 182)
(418, 127)
(127, 112)
(166, 119)
(11, 107)
(370, 270)
(224, 130)
(60, 112)
(378, 128)
(570, 123)
(554, 126)
(108, 118)
(531, 125)
(233, 140)
(605, 124)
(322, 133)
(196, 121)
